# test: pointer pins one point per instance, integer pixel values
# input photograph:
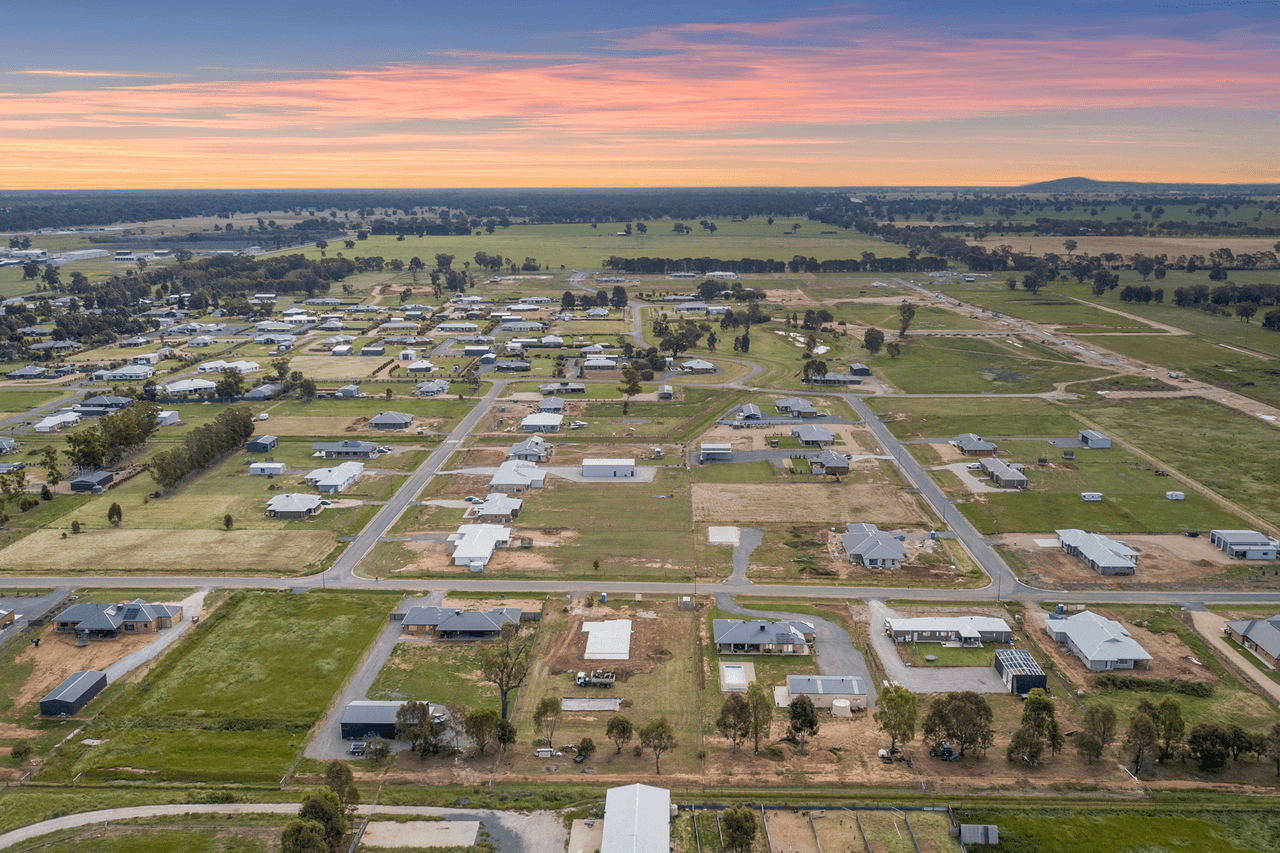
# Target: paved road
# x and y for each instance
(344, 567)
(833, 650)
(979, 679)
(29, 607)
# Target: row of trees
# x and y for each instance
(202, 447)
(111, 437)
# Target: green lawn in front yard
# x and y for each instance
(234, 701)
(914, 654)
(440, 671)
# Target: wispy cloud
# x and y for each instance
(73, 72)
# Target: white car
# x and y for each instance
(384, 449)
(578, 425)
(974, 466)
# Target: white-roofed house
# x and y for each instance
(810, 435)
(331, 481)
(532, 449)
(515, 476)
(1103, 644)
(1104, 555)
(293, 507)
(474, 544)
(542, 422)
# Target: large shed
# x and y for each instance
(1019, 670)
(608, 468)
(637, 819)
(1094, 439)
(73, 693)
(369, 718)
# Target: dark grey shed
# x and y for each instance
(74, 693)
(262, 444)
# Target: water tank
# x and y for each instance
(841, 708)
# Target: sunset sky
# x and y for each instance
(135, 94)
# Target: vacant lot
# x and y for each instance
(977, 365)
(1192, 436)
(168, 551)
(995, 418)
(823, 502)
(442, 672)
(1061, 830)
(235, 701)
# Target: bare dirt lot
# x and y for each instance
(57, 657)
(648, 641)
(816, 503)
(1165, 560)
(1170, 657)
(857, 440)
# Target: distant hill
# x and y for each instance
(1088, 185)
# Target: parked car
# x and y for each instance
(578, 425)
(974, 466)
(472, 499)
(384, 449)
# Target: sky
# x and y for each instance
(387, 93)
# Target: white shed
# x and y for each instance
(269, 469)
(342, 349)
(168, 417)
(1091, 496)
(1175, 496)
(608, 468)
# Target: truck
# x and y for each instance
(596, 678)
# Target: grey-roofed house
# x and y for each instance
(512, 366)
(335, 480)
(966, 630)
(70, 697)
(498, 507)
(515, 476)
(1005, 475)
(107, 621)
(1244, 544)
(101, 404)
(31, 371)
(294, 507)
(265, 391)
(831, 378)
(262, 444)
(1260, 636)
(431, 388)
(391, 420)
(796, 407)
(563, 388)
(810, 435)
(346, 449)
(824, 690)
(973, 445)
(1103, 644)
(762, 637)
(1104, 555)
(637, 819)
(446, 623)
(830, 463)
(1019, 671)
(552, 404)
(535, 448)
(1094, 439)
(697, 365)
(868, 545)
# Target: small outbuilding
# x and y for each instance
(1019, 671)
(262, 444)
(267, 469)
(1091, 438)
(73, 694)
(608, 468)
(167, 417)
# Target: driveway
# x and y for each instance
(328, 742)
(573, 473)
(191, 606)
(1210, 625)
(948, 679)
(834, 651)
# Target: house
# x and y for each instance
(348, 392)
(267, 469)
(1260, 636)
(219, 366)
(146, 358)
(474, 544)
(134, 342)
(1104, 555)
(1019, 671)
(55, 422)
(431, 388)
(824, 691)
(520, 328)
(532, 449)
(55, 346)
(373, 349)
(1103, 644)
(552, 404)
(597, 313)
(185, 387)
(513, 366)
(31, 371)
(262, 444)
(476, 350)
(128, 373)
(694, 307)
(637, 819)
(332, 481)
(552, 341)
(534, 300)
(796, 407)
(608, 468)
(750, 412)
(446, 623)
(830, 378)
(761, 637)
(1244, 544)
(94, 482)
(973, 445)
(421, 366)
(200, 342)
(367, 719)
(108, 621)
(498, 507)
(69, 697)
(563, 388)
(542, 422)
(599, 364)
(697, 365)
(1093, 439)
(830, 463)
(515, 476)
(294, 507)
(265, 391)
(345, 449)
(813, 436)
(859, 369)
(166, 417)
(101, 404)
(391, 420)
(1004, 474)
(966, 630)
(459, 327)
(666, 392)
(715, 452)
(591, 349)
(866, 544)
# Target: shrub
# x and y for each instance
(1113, 681)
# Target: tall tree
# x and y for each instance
(546, 716)
(619, 730)
(906, 313)
(740, 826)
(630, 387)
(734, 722)
(303, 836)
(322, 806)
(481, 726)
(1142, 739)
(872, 340)
(803, 719)
(658, 737)
(1098, 730)
(964, 719)
(339, 779)
(896, 709)
(761, 707)
(506, 662)
(1170, 725)
(413, 720)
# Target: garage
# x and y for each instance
(608, 469)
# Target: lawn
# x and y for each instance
(976, 366)
(1229, 452)
(914, 654)
(995, 418)
(173, 835)
(1133, 498)
(663, 420)
(236, 699)
(442, 672)
(1188, 830)
(1051, 306)
(20, 400)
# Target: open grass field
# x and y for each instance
(664, 420)
(1052, 305)
(235, 700)
(186, 834)
(884, 315)
(581, 246)
(1133, 499)
(1191, 435)
(976, 366)
(441, 672)
(910, 419)
(1063, 830)
(21, 400)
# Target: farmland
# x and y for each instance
(974, 366)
